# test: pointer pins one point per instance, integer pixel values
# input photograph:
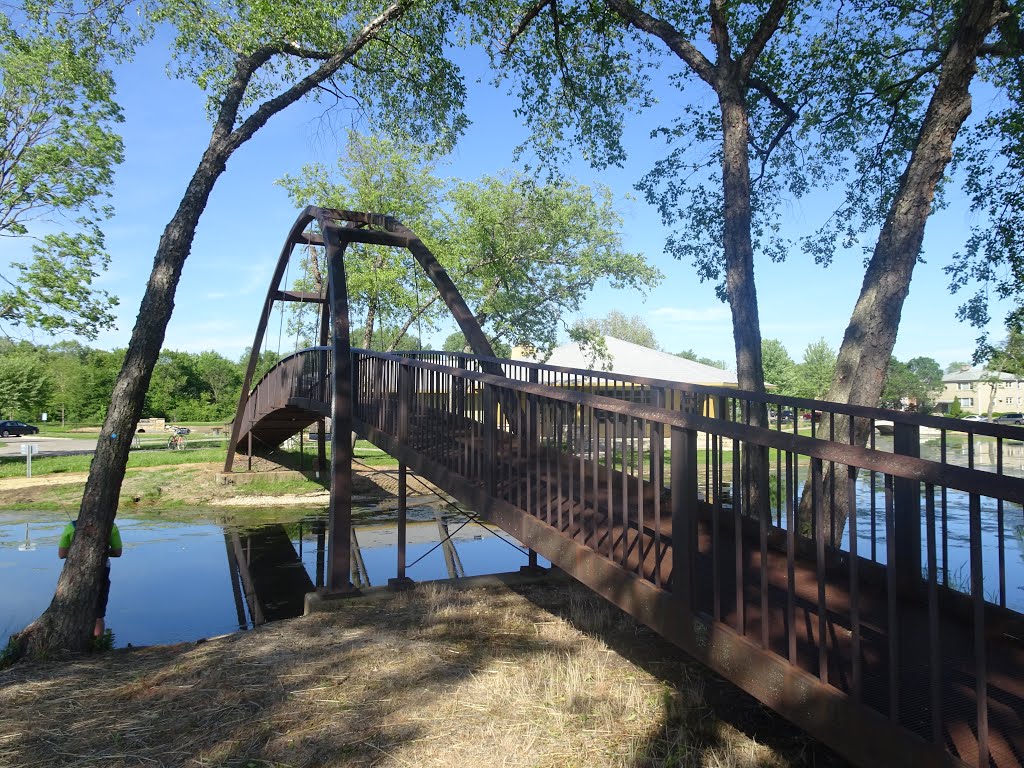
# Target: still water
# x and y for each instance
(183, 581)
(1002, 526)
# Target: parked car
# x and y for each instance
(972, 417)
(1009, 418)
(8, 428)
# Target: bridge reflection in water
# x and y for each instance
(270, 577)
(705, 515)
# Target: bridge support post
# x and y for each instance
(685, 501)
(907, 512)
(490, 436)
(405, 391)
(906, 570)
(340, 531)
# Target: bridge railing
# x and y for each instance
(992, 448)
(658, 477)
(302, 377)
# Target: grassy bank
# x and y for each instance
(177, 482)
(14, 466)
(549, 676)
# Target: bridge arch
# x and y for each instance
(333, 230)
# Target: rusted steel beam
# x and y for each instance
(373, 237)
(304, 297)
(261, 327)
(340, 517)
(309, 237)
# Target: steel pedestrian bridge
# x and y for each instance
(864, 593)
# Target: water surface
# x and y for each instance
(179, 581)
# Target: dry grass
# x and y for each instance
(429, 678)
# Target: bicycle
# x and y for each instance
(177, 443)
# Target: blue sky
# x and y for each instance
(240, 235)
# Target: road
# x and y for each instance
(48, 446)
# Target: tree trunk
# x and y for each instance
(736, 241)
(871, 334)
(739, 281)
(64, 624)
(68, 621)
(371, 315)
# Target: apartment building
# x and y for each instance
(978, 388)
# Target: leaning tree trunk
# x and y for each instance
(67, 622)
(871, 334)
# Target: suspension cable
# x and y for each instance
(471, 517)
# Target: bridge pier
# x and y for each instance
(401, 581)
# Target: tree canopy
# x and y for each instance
(58, 119)
(524, 254)
(631, 328)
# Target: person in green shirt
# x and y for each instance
(114, 548)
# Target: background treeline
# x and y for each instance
(72, 383)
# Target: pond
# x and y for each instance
(179, 581)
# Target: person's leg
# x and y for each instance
(101, 604)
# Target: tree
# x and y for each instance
(524, 254)
(25, 386)
(385, 285)
(779, 368)
(528, 254)
(253, 61)
(456, 342)
(954, 367)
(57, 119)
(901, 386)
(222, 378)
(992, 160)
(928, 374)
(871, 334)
(631, 328)
(388, 339)
(922, 96)
(581, 67)
(814, 373)
(689, 354)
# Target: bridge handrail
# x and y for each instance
(787, 401)
(286, 358)
(921, 470)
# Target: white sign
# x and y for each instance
(44, 417)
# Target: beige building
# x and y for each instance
(977, 388)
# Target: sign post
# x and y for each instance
(28, 450)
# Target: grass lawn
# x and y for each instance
(197, 452)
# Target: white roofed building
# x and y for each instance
(630, 359)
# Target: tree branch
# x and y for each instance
(272, 106)
(669, 35)
(720, 31)
(765, 29)
(531, 13)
